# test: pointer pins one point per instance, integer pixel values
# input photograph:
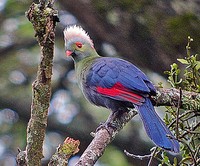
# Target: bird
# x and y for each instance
(117, 85)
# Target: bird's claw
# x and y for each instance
(107, 126)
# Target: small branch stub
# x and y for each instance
(64, 152)
(21, 158)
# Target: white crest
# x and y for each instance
(77, 31)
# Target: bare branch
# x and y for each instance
(138, 156)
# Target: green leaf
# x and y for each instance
(167, 72)
(175, 161)
(183, 61)
(198, 65)
(174, 66)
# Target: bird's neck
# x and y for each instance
(84, 59)
(85, 62)
(82, 67)
(85, 54)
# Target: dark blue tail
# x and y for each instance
(156, 128)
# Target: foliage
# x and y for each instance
(185, 123)
(191, 76)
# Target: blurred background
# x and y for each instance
(152, 34)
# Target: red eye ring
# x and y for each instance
(79, 44)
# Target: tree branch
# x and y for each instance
(170, 97)
(102, 138)
(43, 19)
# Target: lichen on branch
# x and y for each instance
(44, 18)
(64, 152)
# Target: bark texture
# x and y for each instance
(102, 138)
(43, 17)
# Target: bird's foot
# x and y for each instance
(108, 126)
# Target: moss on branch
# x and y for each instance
(170, 97)
(64, 152)
(44, 20)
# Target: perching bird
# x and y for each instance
(117, 85)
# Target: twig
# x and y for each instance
(190, 150)
(190, 117)
(197, 151)
(190, 130)
(152, 156)
(177, 113)
(182, 115)
(138, 156)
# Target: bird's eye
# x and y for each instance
(79, 44)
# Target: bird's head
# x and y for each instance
(78, 43)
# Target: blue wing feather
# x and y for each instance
(108, 71)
